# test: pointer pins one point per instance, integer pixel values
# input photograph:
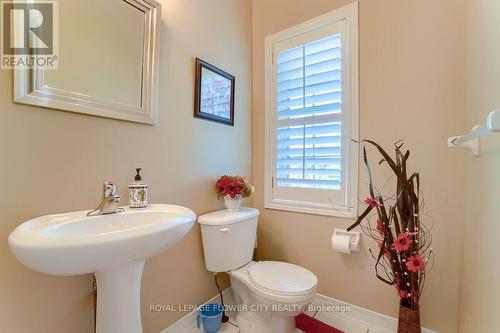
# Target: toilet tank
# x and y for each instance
(228, 238)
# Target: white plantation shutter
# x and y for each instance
(311, 115)
(309, 104)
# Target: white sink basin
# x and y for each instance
(114, 247)
(72, 243)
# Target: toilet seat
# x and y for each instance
(278, 281)
(283, 278)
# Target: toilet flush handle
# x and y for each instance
(226, 230)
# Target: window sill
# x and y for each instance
(313, 209)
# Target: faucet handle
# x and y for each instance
(109, 201)
(109, 189)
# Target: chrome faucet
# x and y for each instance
(109, 201)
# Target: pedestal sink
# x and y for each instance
(114, 247)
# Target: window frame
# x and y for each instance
(346, 16)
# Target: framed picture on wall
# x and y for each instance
(214, 94)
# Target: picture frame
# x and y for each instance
(214, 94)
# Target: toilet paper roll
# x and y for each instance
(341, 244)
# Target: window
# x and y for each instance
(311, 116)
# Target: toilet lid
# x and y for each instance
(282, 277)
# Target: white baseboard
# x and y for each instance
(355, 319)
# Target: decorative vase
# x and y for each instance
(232, 204)
(409, 319)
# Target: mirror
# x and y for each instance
(107, 62)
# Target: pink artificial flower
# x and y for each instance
(415, 263)
(221, 183)
(403, 242)
(233, 186)
(403, 293)
(380, 227)
(371, 202)
(227, 185)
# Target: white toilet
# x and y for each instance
(270, 293)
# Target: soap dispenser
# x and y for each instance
(138, 192)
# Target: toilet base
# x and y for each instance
(261, 322)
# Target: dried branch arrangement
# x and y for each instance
(394, 222)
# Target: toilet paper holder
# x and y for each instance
(354, 237)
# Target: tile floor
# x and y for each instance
(339, 322)
(335, 321)
(229, 327)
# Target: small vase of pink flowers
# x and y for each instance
(233, 189)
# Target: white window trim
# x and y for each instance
(350, 14)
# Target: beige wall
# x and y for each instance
(479, 288)
(411, 74)
(53, 161)
(411, 78)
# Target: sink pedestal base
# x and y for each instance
(119, 299)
